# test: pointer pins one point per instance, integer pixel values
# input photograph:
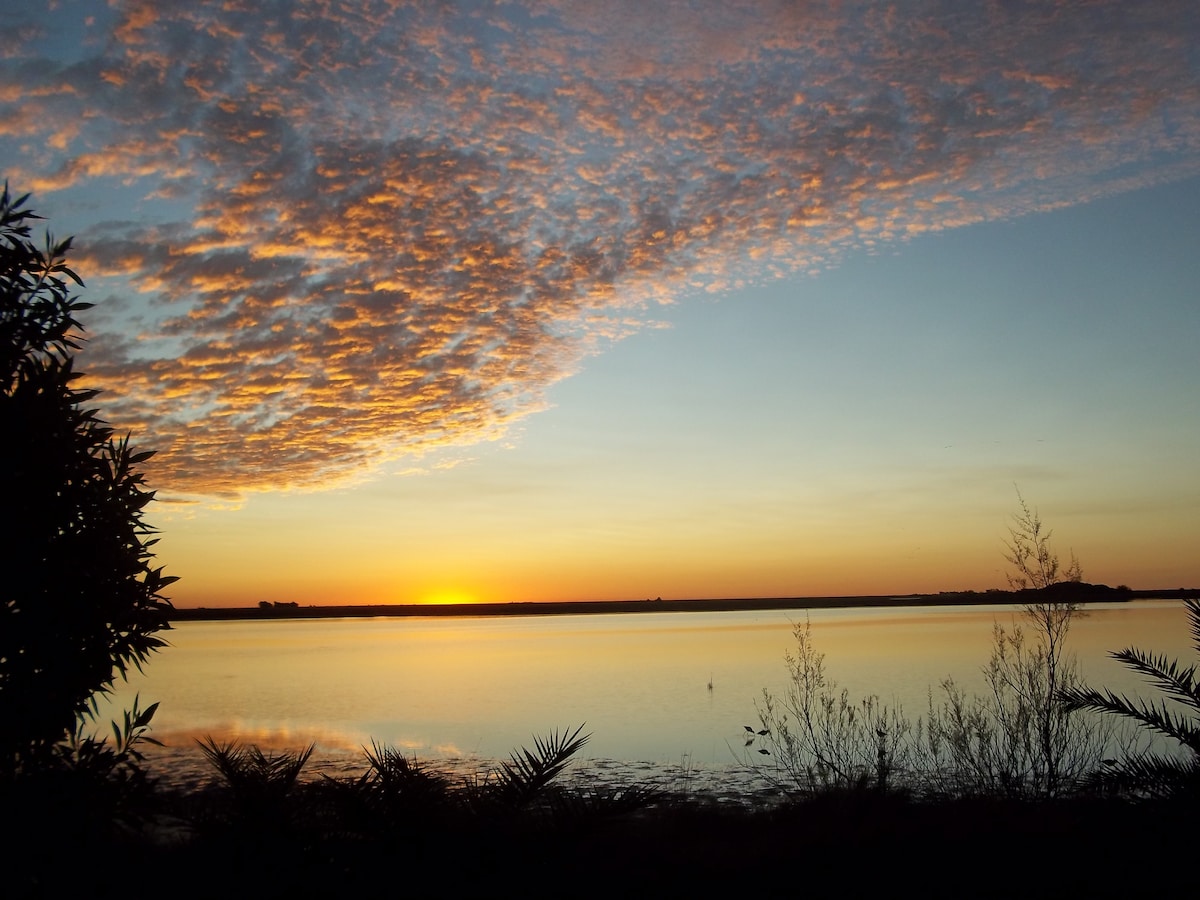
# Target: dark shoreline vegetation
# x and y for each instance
(1075, 592)
(263, 832)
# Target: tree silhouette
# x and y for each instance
(1034, 560)
(79, 600)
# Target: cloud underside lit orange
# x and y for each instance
(368, 229)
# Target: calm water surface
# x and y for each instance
(469, 690)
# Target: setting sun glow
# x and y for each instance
(447, 597)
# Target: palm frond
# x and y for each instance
(1165, 674)
(527, 773)
(401, 778)
(1158, 718)
(1149, 775)
(248, 769)
(575, 809)
(226, 758)
(1193, 611)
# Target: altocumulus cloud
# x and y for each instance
(337, 232)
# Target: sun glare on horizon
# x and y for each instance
(448, 597)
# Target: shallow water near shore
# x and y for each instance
(665, 696)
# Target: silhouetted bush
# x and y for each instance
(81, 600)
(1016, 740)
(819, 739)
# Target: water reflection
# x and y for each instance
(476, 688)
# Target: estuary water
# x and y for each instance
(667, 693)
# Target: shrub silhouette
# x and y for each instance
(399, 798)
(1028, 550)
(81, 601)
(1015, 740)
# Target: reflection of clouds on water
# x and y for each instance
(336, 750)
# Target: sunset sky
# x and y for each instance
(422, 302)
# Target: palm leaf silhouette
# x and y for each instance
(1152, 773)
(527, 773)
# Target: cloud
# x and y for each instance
(351, 232)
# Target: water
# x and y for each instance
(462, 692)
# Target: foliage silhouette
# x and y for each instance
(397, 794)
(253, 775)
(524, 788)
(260, 786)
(1149, 773)
(398, 799)
(123, 758)
(815, 738)
(81, 601)
(404, 781)
(1016, 740)
(1032, 676)
(819, 739)
(523, 778)
(1029, 552)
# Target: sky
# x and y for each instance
(435, 302)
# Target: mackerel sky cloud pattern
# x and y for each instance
(321, 235)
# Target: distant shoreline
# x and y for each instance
(1082, 593)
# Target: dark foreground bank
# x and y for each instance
(851, 844)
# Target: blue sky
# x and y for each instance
(553, 301)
